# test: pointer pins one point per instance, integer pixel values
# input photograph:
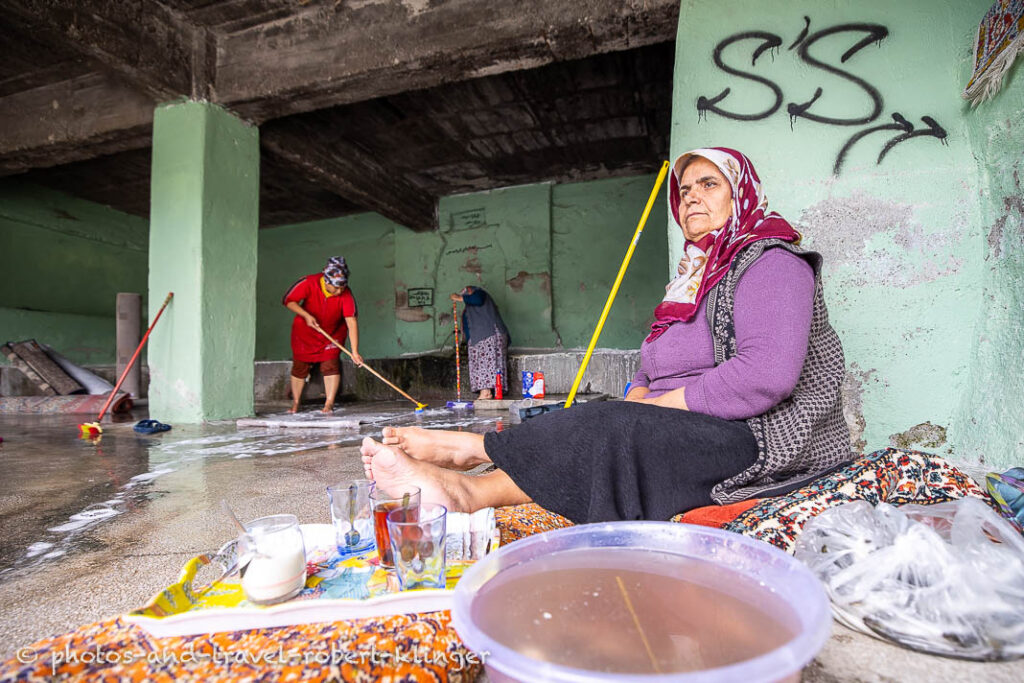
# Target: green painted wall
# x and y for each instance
(63, 261)
(593, 225)
(548, 254)
(991, 412)
(287, 253)
(498, 240)
(203, 234)
(905, 239)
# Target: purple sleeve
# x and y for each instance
(774, 303)
(640, 379)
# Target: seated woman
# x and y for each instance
(737, 395)
(487, 340)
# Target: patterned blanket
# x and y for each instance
(421, 647)
(1000, 39)
(891, 475)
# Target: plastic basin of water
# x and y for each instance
(744, 570)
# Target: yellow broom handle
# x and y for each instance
(618, 281)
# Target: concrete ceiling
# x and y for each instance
(362, 106)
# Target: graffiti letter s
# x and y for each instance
(875, 34)
(770, 41)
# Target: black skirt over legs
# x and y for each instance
(620, 460)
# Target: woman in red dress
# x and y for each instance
(323, 299)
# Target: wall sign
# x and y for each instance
(469, 220)
(421, 296)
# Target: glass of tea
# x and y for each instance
(383, 501)
(418, 546)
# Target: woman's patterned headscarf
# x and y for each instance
(336, 271)
(706, 261)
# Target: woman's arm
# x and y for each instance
(301, 312)
(473, 298)
(353, 339)
(772, 314)
(295, 297)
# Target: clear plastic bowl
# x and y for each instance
(771, 572)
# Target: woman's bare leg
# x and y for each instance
(452, 450)
(297, 386)
(331, 384)
(392, 468)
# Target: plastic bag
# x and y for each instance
(946, 579)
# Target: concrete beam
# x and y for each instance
(76, 119)
(317, 57)
(340, 53)
(335, 164)
(149, 45)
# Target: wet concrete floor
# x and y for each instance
(93, 529)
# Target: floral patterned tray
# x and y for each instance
(337, 588)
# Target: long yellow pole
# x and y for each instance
(618, 281)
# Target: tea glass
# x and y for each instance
(352, 516)
(418, 546)
(403, 498)
(277, 570)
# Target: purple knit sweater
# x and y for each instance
(773, 320)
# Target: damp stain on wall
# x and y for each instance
(472, 265)
(519, 281)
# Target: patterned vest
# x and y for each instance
(805, 434)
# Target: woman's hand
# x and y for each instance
(310, 320)
(357, 360)
(637, 394)
(670, 399)
(456, 297)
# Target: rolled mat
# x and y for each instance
(331, 425)
(60, 405)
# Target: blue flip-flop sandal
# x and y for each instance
(151, 427)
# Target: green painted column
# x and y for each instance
(204, 216)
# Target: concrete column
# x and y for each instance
(129, 313)
(204, 217)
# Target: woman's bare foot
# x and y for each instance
(392, 469)
(327, 409)
(451, 450)
(294, 409)
(485, 395)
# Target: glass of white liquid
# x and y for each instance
(277, 570)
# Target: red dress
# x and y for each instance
(308, 345)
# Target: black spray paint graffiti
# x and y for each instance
(771, 42)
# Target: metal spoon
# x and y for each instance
(243, 560)
(231, 514)
(351, 536)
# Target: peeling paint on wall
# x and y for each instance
(844, 230)
(925, 435)
(1013, 212)
(853, 404)
(406, 314)
(472, 265)
(517, 283)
